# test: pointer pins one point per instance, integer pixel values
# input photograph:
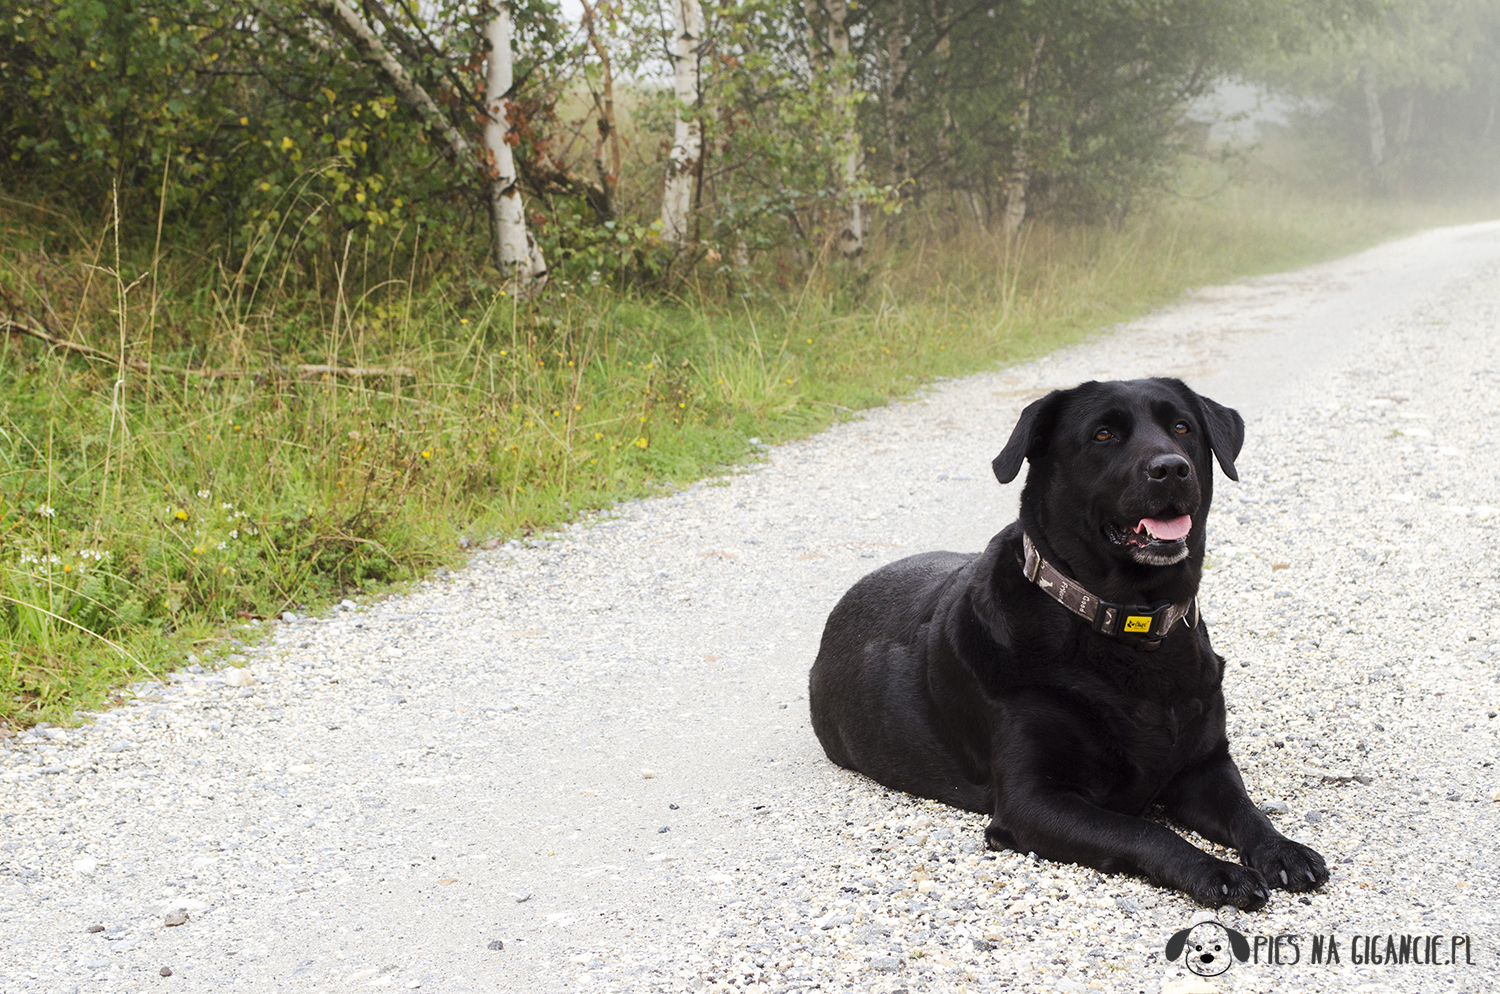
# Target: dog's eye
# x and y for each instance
(1181, 428)
(1103, 435)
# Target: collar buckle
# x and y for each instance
(1140, 621)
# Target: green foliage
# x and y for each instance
(274, 139)
(270, 136)
(1096, 123)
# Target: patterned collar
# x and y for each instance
(1140, 624)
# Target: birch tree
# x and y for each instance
(1020, 162)
(607, 158)
(893, 93)
(838, 67)
(687, 139)
(516, 253)
(519, 257)
(841, 92)
(942, 80)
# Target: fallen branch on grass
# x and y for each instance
(305, 371)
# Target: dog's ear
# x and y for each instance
(1238, 943)
(1226, 433)
(1026, 438)
(1175, 944)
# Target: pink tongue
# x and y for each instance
(1169, 530)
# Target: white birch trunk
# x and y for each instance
(944, 52)
(894, 99)
(841, 90)
(343, 19)
(607, 159)
(519, 257)
(1020, 157)
(687, 139)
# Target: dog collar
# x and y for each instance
(1145, 624)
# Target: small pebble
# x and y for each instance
(175, 918)
(496, 944)
(165, 971)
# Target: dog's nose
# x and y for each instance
(1168, 464)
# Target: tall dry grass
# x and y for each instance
(267, 433)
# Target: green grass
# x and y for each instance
(146, 513)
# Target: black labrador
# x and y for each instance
(1061, 680)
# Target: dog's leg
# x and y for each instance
(1210, 798)
(1060, 825)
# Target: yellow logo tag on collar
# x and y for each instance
(1137, 623)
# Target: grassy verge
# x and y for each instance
(148, 506)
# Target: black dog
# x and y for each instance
(1061, 680)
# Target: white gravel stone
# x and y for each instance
(399, 774)
(238, 676)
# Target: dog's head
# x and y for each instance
(1122, 476)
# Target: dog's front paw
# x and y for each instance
(1287, 864)
(1221, 883)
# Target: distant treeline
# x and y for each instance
(662, 135)
(1403, 102)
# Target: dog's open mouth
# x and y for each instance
(1154, 541)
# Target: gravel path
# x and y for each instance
(585, 763)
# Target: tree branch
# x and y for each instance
(346, 22)
(305, 371)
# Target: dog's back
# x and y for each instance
(870, 707)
